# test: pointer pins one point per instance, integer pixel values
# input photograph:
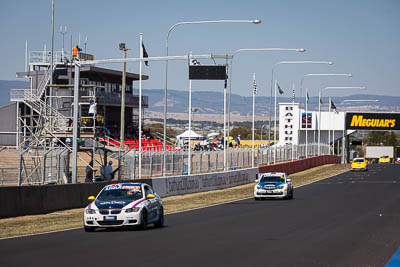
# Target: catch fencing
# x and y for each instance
(58, 169)
(176, 163)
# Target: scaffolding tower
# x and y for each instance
(44, 126)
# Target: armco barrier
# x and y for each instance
(300, 165)
(30, 200)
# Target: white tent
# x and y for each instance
(193, 136)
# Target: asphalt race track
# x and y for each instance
(352, 219)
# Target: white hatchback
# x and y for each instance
(273, 185)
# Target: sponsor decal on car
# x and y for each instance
(113, 187)
(135, 188)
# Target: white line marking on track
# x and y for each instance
(209, 206)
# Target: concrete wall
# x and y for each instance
(179, 185)
(29, 200)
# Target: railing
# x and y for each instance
(45, 56)
(46, 78)
(22, 94)
(31, 97)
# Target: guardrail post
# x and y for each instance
(216, 161)
(134, 164)
(201, 161)
(208, 162)
(151, 165)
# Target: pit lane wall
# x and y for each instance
(179, 185)
(301, 164)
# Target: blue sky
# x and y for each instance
(361, 37)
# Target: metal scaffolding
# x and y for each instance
(44, 127)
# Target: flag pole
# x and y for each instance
(306, 122)
(275, 124)
(140, 104)
(190, 123)
(329, 128)
(252, 130)
(293, 112)
(319, 123)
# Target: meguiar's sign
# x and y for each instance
(372, 121)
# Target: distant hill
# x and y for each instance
(212, 102)
(5, 87)
(207, 102)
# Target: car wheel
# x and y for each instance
(88, 229)
(160, 222)
(291, 195)
(143, 219)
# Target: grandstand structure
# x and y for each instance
(45, 116)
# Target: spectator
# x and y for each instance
(238, 140)
(89, 172)
(109, 171)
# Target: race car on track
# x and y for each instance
(273, 185)
(124, 204)
(359, 164)
(384, 159)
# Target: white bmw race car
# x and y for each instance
(273, 185)
(124, 204)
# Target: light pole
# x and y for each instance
(123, 48)
(256, 21)
(272, 81)
(301, 94)
(319, 107)
(252, 129)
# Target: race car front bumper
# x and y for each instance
(274, 193)
(112, 220)
(358, 169)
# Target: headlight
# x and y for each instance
(135, 209)
(282, 187)
(258, 187)
(90, 211)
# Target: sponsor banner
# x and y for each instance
(306, 120)
(178, 185)
(372, 121)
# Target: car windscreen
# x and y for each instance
(358, 160)
(385, 157)
(266, 179)
(120, 194)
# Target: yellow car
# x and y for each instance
(359, 164)
(384, 159)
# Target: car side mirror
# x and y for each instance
(91, 198)
(256, 180)
(150, 196)
(288, 180)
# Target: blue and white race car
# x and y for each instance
(124, 204)
(273, 185)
